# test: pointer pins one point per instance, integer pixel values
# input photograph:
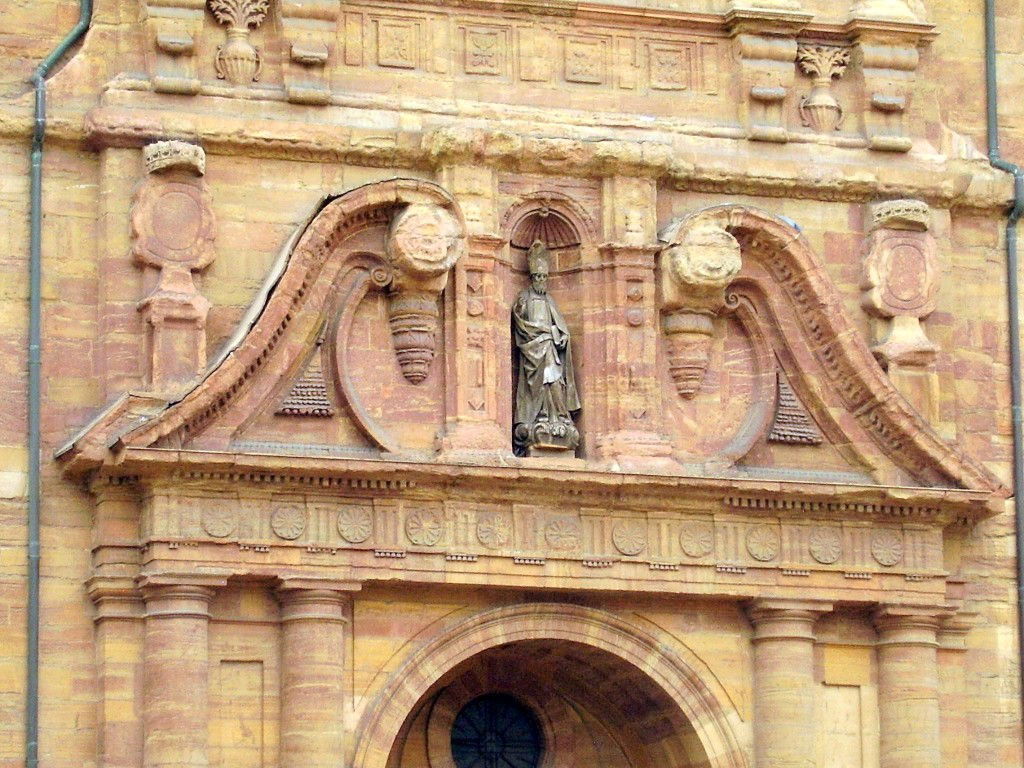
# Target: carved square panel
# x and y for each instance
(585, 59)
(671, 66)
(397, 43)
(485, 50)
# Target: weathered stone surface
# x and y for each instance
(287, 484)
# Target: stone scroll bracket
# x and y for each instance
(698, 262)
(900, 279)
(174, 28)
(424, 242)
(309, 32)
(172, 225)
(765, 33)
(887, 36)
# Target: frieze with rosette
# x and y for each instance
(506, 530)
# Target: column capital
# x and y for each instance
(785, 619)
(115, 597)
(315, 599)
(953, 630)
(179, 595)
(908, 625)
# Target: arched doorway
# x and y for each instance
(546, 704)
(600, 690)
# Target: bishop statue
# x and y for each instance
(546, 395)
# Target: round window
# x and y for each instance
(496, 731)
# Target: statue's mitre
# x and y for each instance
(537, 258)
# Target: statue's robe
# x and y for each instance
(547, 385)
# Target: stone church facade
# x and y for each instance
(288, 516)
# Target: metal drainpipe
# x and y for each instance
(38, 81)
(1013, 304)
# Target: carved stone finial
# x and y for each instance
(697, 266)
(823, 63)
(173, 226)
(901, 279)
(423, 244)
(237, 60)
(168, 155)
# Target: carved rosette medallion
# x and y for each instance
(629, 537)
(825, 545)
(697, 539)
(696, 266)
(238, 61)
(494, 530)
(822, 63)
(424, 527)
(219, 522)
(355, 524)
(887, 546)
(424, 243)
(763, 543)
(563, 534)
(288, 522)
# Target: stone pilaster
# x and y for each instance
(313, 652)
(175, 674)
(952, 639)
(784, 706)
(908, 688)
(119, 639)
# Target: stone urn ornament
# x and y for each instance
(819, 109)
(238, 61)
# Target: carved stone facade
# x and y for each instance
(286, 523)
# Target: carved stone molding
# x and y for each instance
(900, 280)
(174, 28)
(309, 30)
(696, 266)
(822, 63)
(238, 61)
(172, 231)
(887, 37)
(424, 243)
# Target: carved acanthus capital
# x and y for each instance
(696, 266)
(424, 242)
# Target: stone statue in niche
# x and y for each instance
(546, 395)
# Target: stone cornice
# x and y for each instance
(661, 152)
(154, 466)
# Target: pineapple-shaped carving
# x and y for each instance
(238, 61)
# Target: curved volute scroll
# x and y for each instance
(696, 266)
(425, 237)
(810, 332)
